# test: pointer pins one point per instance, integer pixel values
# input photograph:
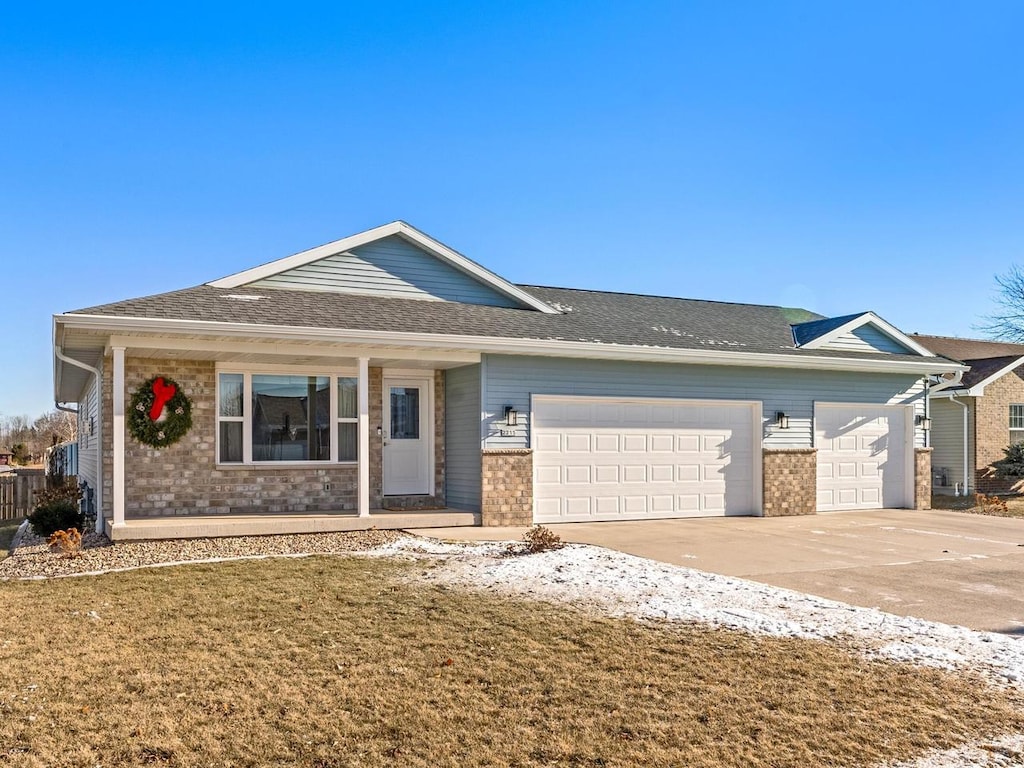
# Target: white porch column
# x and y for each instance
(364, 436)
(118, 436)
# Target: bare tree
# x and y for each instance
(56, 427)
(1007, 322)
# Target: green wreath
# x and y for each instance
(160, 413)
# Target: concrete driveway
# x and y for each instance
(946, 566)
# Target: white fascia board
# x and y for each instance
(410, 233)
(869, 318)
(508, 346)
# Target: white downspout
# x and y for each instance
(99, 424)
(952, 399)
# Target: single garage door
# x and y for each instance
(600, 458)
(864, 453)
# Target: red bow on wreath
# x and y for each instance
(161, 394)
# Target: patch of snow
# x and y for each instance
(623, 585)
(989, 753)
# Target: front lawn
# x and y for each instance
(337, 661)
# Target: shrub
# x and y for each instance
(1012, 464)
(541, 539)
(989, 505)
(55, 516)
(65, 491)
(67, 543)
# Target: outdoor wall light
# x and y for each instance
(380, 431)
(781, 420)
(511, 416)
(924, 423)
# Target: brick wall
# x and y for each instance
(991, 432)
(922, 478)
(507, 488)
(790, 482)
(183, 479)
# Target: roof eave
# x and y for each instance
(506, 345)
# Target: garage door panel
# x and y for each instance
(634, 443)
(661, 473)
(576, 443)
(862, 456)
(548, 475)
(687, 473)
(631, 467)
(636, 473)
(577, 475)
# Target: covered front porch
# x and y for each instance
(213, 526)
(286, 436)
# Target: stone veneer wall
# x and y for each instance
(922, 478)
(183, 479)
(790, 482)
(507, 487)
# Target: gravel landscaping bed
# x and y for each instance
(32, 557)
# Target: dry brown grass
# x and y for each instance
(340, 661)
(7, 531)
(969, 504)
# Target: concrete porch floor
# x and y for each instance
(212, 526)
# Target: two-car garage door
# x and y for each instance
(628, 459)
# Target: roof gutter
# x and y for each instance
(503, 345)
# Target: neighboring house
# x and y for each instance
(6, 465)
(386, 371)
(61, 460)
(973, 421)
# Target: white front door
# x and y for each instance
(406, 435)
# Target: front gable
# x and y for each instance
(395, 260)
(864, 332)
(389, 267)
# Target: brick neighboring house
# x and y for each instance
(987, 407)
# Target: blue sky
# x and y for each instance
(836, 156)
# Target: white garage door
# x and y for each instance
(630, 459)
(863, 456)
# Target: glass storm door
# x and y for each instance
(406, 437)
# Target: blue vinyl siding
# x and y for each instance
(867, 338)
(462, 437)
(388, 267)
(510, 380)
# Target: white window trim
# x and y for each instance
(247, 372)
(1016, 433)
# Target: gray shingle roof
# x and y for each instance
(985, 367)
(590, 316)
(968, 349)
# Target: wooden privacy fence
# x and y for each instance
(17, 494)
